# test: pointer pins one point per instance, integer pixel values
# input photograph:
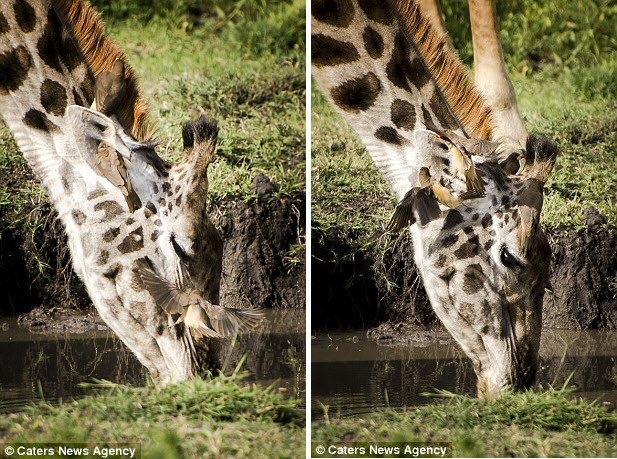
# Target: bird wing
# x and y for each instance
(403, 214)
(227, 321)
(165, 294)
(425, 206)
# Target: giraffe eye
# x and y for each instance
(508, 260)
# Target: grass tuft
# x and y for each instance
(549, 422)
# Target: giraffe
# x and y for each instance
(54, 63)
(483, 261)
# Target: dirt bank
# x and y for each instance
(364, 286)
(263, 256)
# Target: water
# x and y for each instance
(51, 366)
(352, 374)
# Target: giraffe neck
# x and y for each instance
(369, 63)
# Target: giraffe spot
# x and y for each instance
(466, 250)
(441, 261)
(505, 201)
(373, 42)
(130, 221)
(133, 242)
(169, 206)
(70, 55)
(151, 208)
(389, 135)
(113, 271)
(53, 97)
(403, 69)
(87, 88)
(103, 257)
(488, 244)
(328, 51)
(160, 329)
(155, 235)
(484, 330)
(38, 120)
(49, 41)
(403, 114)
(473, 279)
(77, 98)
(449, 240)
(111, 234)
(468, 229)
(475, 216)
(487, 221)
(428, 120)
(162, 202)
(166, 187)
(78, 217)
(466, 310)
(14, 68)
(24, 15)
(111, 208)
(136, 283)
(506, 219)
(442, 112)
(4, 24)
(453, 218)
(376, 11)
(158, 222)
(338, 13)
(357, 94)
(155, 188)
(96, 194)
(178, 201)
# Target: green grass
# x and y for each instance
(531, 424)
(215, 417)
(562, 58)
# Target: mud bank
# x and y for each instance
(263, 262)
(364, 286)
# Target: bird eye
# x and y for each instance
(508, 260)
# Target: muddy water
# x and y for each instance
(52, 365)
(352, 374)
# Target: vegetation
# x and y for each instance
(549, 423)
(562, 58)
(215, 417)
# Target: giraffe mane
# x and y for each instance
(448, 71)
(100, 53)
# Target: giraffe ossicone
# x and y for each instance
(484, 261)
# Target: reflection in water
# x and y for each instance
(51, 366)
(353, 375)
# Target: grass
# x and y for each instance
(547, 423)
(562, 59)
(212, 417)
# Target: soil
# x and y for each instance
(263, 262)
(367, 286)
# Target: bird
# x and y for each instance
(111, 165)
(446, 197)
(464, 167)
(418, 201)
(110, 88)
(203, 318)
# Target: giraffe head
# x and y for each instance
(177, 195)
(485, 265)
